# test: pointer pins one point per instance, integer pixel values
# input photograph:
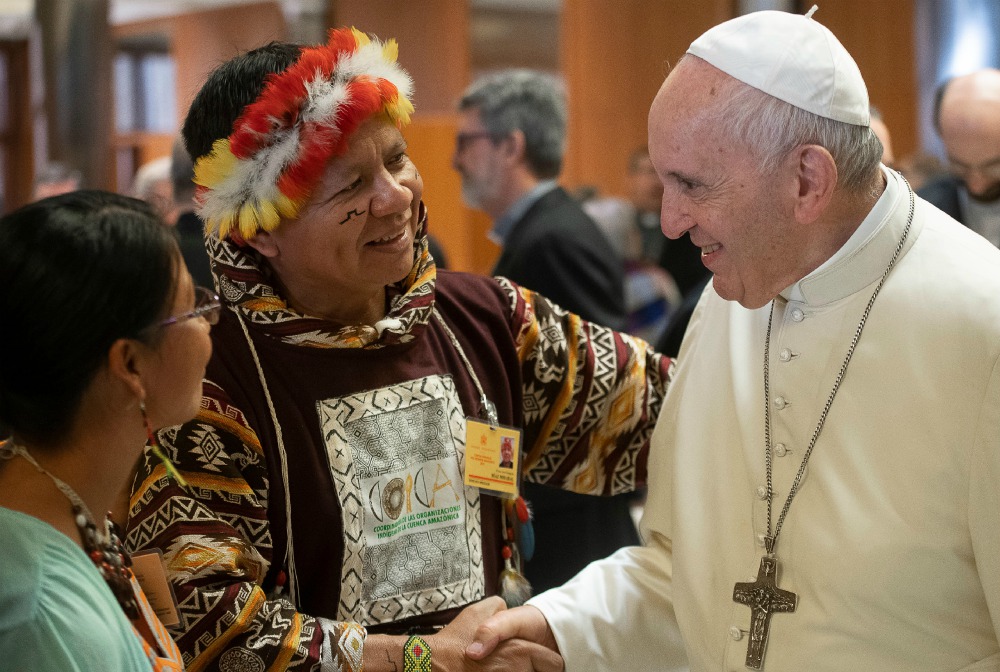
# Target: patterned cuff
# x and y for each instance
(343, 646)
(416, 655)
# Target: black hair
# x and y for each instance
(79, 271)
(229, 89)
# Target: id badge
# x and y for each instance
(492, 457)
(149, 572)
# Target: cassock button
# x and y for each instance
(785, 355)
(780, 450)
(761, 492)
(736, 633)
(798, 315)
(780, 403)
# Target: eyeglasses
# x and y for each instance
(206, 305)
(462, 140)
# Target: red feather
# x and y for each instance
(279, 107)
(342, 39)
(388, 90)
(301, 175)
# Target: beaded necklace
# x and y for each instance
(104, 549)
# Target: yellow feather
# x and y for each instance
(360, 37)
(288, 208)
(390, 50)
(247, 220)
(226, 224)
(399, 110)
(212, 169)
(267, 215)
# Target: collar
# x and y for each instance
(863, 258)
(503, 226)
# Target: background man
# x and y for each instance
(644, 193)
(152, 184)
(677, 257)
(56, 178)
(967, 116)
(509, 150)
(881, 131)
(189, 228)
(846, 518)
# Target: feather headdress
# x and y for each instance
(305, 115)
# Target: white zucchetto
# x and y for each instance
(791, 57)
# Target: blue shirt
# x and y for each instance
(56, 612)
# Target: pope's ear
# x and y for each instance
(816, 173)
(264, 243)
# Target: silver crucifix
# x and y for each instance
(764, 598)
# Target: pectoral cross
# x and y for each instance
(764, 598)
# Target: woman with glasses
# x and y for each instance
(104, 340)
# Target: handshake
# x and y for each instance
(486, 636)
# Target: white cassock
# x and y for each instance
(892, 543)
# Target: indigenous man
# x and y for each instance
(329, 521)
(825, 476)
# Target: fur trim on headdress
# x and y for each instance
(269, 165)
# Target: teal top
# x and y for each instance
(56, 612)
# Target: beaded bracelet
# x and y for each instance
(416, 655)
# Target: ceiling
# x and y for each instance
(128, 11)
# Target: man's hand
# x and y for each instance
(520, 631)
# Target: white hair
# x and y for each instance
(772, 128)
(148, 175)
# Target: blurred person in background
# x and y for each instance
(881, 131)
(152, 184)
(509, 152)
(56, 178)
(188, 226)
(967, 117)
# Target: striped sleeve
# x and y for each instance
(591, 397)
(216, 543)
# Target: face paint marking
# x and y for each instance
(352, 214)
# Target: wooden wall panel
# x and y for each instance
(614, 57)
(204, 40)
(18, 139)
(880, 37)
(433, 38)
(201, 41)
